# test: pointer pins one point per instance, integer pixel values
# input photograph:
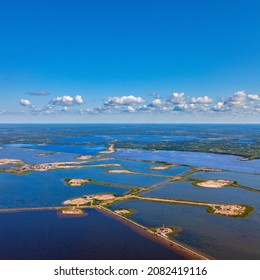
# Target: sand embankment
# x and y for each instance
(122, 212)
(110, 150)
(103, 197)
(162, 167)
(215, 184)
(120, 171)
(84, 157)
(77, 182)
(73, 211)
(4, 161)
(228, 209)
(89, 199)
(77, 201)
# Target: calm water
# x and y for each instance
(30, 156)
(218, 236)
(45, 235)
(144, 167)
(76, 149)
(186, 191)
(221, 237)
(248, 180)
(227, 162)
(173, 171)
(126, 138)
(44, 189)
(98, 174)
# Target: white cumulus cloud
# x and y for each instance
(219, 106)
(157, 102)
(67, 100)
(202, 100)
(237, 99)
(255, 97)
(176, 98)
(25, 102)
(78, 99)
(130, 109)
(124, 100)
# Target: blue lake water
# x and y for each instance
(173, 171)
(143, 167)
(88, 139)
(41, 234)
(249, 180)
(30, 156)
(126, 138)
(45, 235)
(76, 149)
(218, 236)
(48, 188)
(226, 162)
(186, 191)
(98, 174)
(43, 189)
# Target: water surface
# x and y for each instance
(187, 191)
(219, 236)
(45, 235)
(219, 161)
(248, 180)
(44, 189)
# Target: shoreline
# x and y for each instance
(174, 245)
(179, 248)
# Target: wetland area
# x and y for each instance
(129, 191)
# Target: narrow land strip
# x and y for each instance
(177, 246)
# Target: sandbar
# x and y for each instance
(84, 157)
(89, 199)
(77, 201)
(214, 184)
(120, 171)
(77, 182)
(104, 197)
(72, 211)
(110, 150)
(107, 164)
(122, 212)
(4, 161)
(162, 167)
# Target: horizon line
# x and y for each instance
(134, 123)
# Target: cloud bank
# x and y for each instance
(67, 100)
(177, 103)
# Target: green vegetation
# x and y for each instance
(95, 202)
(246, 213)
(126, 215)
(67, 180)
(161, 162)
(175, 230)
(222, 146)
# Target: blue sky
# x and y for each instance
(129, 61)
